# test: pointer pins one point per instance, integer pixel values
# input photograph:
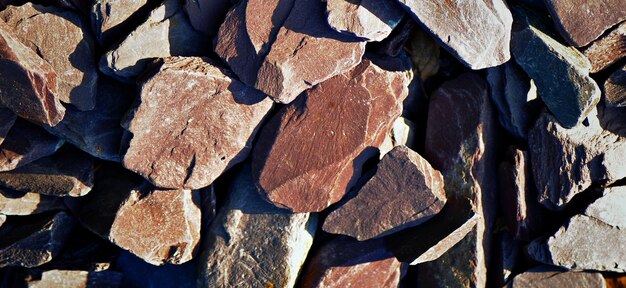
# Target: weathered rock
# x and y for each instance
(24, 73)
(371, 20)
(547, 277)
(71, 56)
(405, 191)
(348, 116)
(24, 144)
(566, 88)
(77, 279)
(165, 33)
(34, 240)
(110, 17)
(424, 52)
(344, 262)
(192, 145)
(512, 93)
(206, 16)
(615, 88)
(582, 21)
(7, 118)
(66, 173)
(138, 273)
(611, 207)
(253, 242)
(20, 203)
(98, 132)
(477, 32)
(566, 162)
(608, 49)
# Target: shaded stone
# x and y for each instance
(615, 88)
(424, 52)
(253, 242)
(371, 20)
(77, 279)
(506, 256)
(349, 116)
(547, 277)
(165, 33)
(30, 241)
(566, 162)
(405, 191)
(98, 132)
(512, 92)
(3, 218)
(582, 21)
(24, 73)
(477, 32)
(611, 207)
(7, 118)
(566, 88)
(344, 262)
(24, 144)
(192, 145)
(66, 173)
(110, 17)
(71, 56)
(615, 281)
(608, 49)
(393, 45)
(20, 203)
(138, 273)
(206, 16)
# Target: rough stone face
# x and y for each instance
(253, 243)
(548, 277)
(24, 73)
(611, 207)
(71, 56)
(615, 88)
(109, 17)
(20, 203)
(207, 15)
(348, 116)
(191, 145)
(582, 21)
(24, 144)
(568, 161)
(165, 33)
(405, 191)
(608, 49)
(34, 240)
(371, 20)
(77, 279)
(476, 32)
(566, 88)
(344, 262)
(7, 118)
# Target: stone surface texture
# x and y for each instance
(615, 88)
(372, 20)
(548, 277)
(26, 143)
(611, 207)
(608, 49)
(108, 17)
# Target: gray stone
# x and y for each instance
(615, 88)
(20, 203)
(206, 16)
(253, 243)
(608, 49)
(548, 277)
(109, 17)
(24, 144)
(371, 20)
(610, 208)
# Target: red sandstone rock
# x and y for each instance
(608, 49)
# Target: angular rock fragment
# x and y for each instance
(109, 17)
(71, 56)
(20, 203)
(582, 21)
(165, 33)
(311, 152)
(34, 240)
(344, 262)
(566, 162)
(253, 242)
(476, 32)
(548, 277)
(191, 145)
(608, 49)
(615, 88)
(405, 191)
(24, 144)
(371, 20)
(611, 207)
(24, 73)
(7, 118)
(207, 15)
(77, 279)
(565, 88)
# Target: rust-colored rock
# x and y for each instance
(311, 152)
(405, 191)
(189, 145)
(615, 88)
(20, 203)
(608, 49)
(26, 143)
(371, 20)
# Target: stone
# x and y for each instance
(253, 243)
(66, 173)
(98, 132)
(31, 241)
(477, 32)
(110, 17)
(7, 118)
(165, 33)
(566, 162)
(138, 273)
(405, 191)
(344, 262)
(615, 281)
(71, 56)
(610, 208)
(20, 203)
(615, 88)
(77, 279)
(393, 45)
(566, 88)
(424, 52)
(372, 20)
(607, 49)
(513, 95)
(24, 73)
(349, 116)
(206, 16)
(26, 143)
(193, 145)
(582, 21)
(547, 276)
